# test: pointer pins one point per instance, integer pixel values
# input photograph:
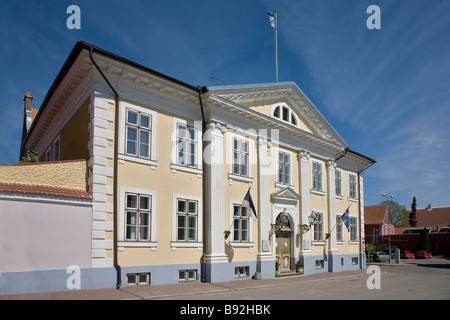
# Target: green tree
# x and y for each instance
(32, 157)
(398, 212)
(424, 242)
(412, 215)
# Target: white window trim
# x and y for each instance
(174, 166)
(122, 205)
(231, 175)
(356, 186)
(319, 192)
(282, 104)
(250, 244)
(340, 196)
(278, 183)
(174, 244)
(357, 230)
(322, 234)
(122, 132)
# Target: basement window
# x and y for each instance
(187, 275)
(240, 272)
(138, 279)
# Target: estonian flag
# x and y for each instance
(271, 19)
(248, 203)
(346, 219)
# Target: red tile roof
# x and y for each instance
(43, 189)
(375, 214)
(435, 216)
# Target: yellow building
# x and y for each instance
(170, 165)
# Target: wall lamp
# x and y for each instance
(304, 228)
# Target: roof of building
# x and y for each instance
(65, 178)
(44, 190)
(433, 217)
(375, 214)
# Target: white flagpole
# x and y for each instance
(276, 44)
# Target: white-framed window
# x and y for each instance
(339, 234)
(284, 167)
(138, 279)
(186, 146)
(318, 227)
(137, 219)
(319, 264)
(240, 153)
(317, 175)
(352, 186)
(241, 272)
(186, 221)
(241, 224)
(338, 177)
(187, 275)
(239, 157)
(353, 229)
(282, 111)
(137, 135)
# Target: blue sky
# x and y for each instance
(386, 91)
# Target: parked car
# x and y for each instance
(392, 253)
(422, 254)
(406, 254)
(383, 255)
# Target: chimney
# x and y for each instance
(27, 120)
(429, 207)
(27, 108)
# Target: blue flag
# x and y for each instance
(346, 219)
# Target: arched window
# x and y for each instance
(283, 112)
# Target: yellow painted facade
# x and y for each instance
(152, 108)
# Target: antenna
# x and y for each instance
(211, 77)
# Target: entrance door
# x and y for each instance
(283, 249)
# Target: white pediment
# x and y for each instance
(292, 95)
(286, 194)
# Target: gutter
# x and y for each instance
(115, 171)
(201, 91)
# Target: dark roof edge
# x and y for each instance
(361, 155)
(79, 46)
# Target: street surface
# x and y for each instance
(413, 280)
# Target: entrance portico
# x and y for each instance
(284, 222)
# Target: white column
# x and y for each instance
(305, 245)
(214, 224)
(265, 257)
(331, 194)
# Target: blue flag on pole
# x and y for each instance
(346, 219)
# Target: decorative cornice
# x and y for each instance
(251, 115)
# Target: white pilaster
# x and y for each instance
(331, 194)
(214, 195)
(264, 206)
(99, 172)
(305, 245)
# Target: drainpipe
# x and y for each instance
(115, 171)
(201, 91)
